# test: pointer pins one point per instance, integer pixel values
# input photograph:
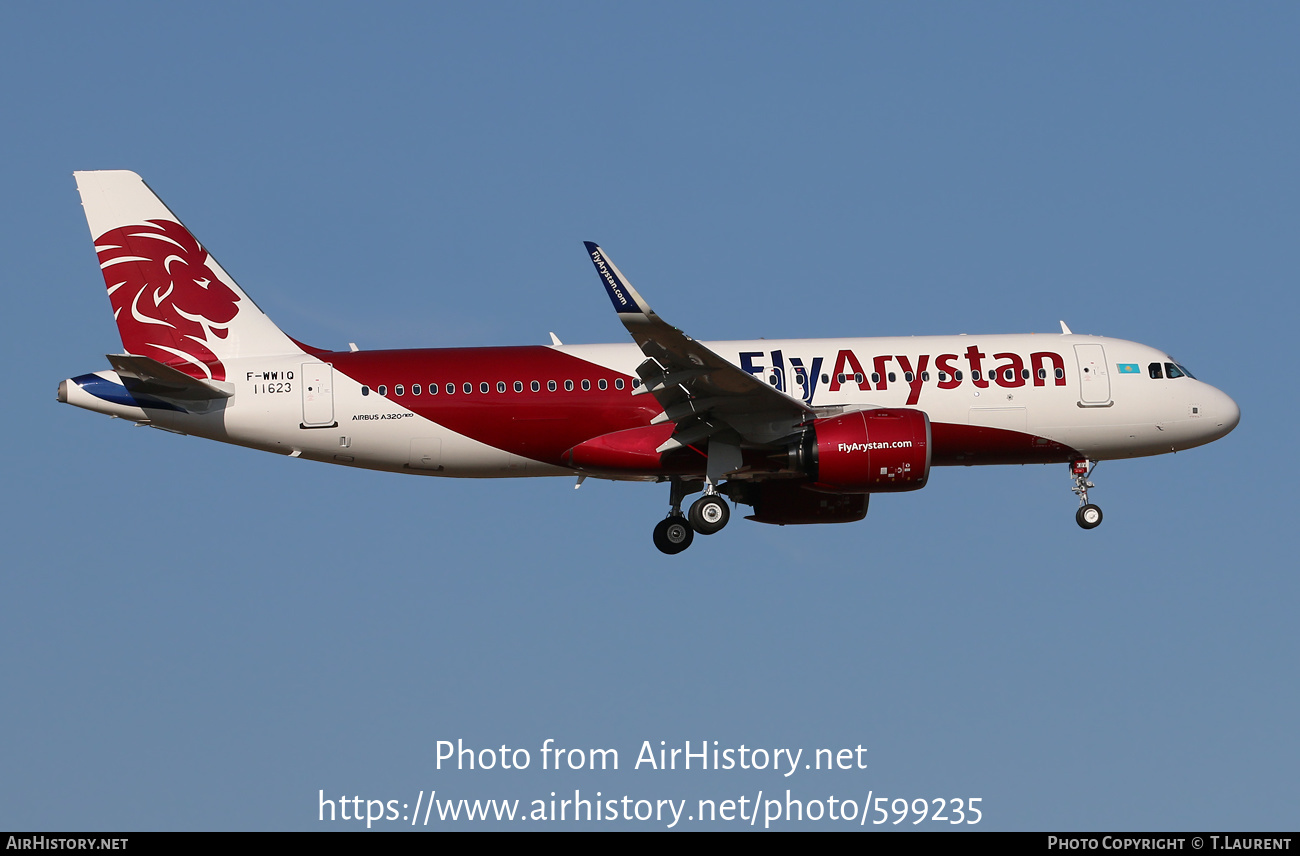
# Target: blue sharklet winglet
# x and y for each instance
(621, 293)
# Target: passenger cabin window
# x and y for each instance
(602, 383)
(483, 386)
(568, 386)
(519, 386)
(468, 387)
(1060, 373)
(451, 387)
(501, 386)
(618, 383)
(535, 386)
(586, 385)
(415, 389)
(399, 389)
(383, 389)
(365, 390)
(433, 389)
(550, 385)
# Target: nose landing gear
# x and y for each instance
(1088, 516)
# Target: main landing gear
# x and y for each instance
(1088, 516)
(673, 534)
(707, 515)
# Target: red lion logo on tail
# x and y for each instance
(167, 302)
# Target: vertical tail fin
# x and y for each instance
(171, 300)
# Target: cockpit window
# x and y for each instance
(1155, 371)
(1172, 370)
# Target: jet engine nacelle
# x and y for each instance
(868, 451)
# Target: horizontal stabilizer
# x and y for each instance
(148, 376)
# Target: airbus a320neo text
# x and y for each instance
(800, 430)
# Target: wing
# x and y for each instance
(707, 397)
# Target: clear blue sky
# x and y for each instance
(195, 636)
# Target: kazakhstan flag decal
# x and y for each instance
(1128, 368)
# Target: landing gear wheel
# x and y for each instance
(673, 534)
(1088, 516)
(709, 514)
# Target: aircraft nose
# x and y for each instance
(1225, 412)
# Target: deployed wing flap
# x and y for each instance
(148, 376)
(691, 382)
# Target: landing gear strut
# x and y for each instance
(1088, 516)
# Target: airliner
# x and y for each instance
(802, 431)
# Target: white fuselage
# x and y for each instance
(1093, 396)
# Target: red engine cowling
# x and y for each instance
(869, 451)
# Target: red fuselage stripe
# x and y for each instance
(544, 425)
